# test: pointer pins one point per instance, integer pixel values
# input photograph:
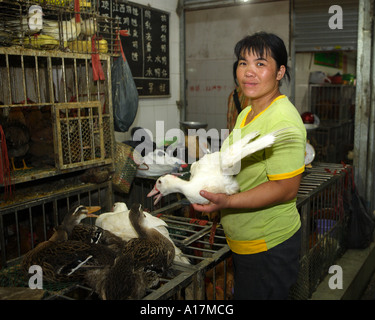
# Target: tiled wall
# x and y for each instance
(208, 87)
(151, 110)
(210, 39)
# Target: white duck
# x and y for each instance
(118, 223)
(70, 29)
(88, 27)
(214, 172)
(26, 25)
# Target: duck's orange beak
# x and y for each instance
(91, 210)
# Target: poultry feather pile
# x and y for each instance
(118, 222)
(214, 172)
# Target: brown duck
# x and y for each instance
(122, 281)
(137, 269)
(93, 234)
(151, 249)
(62, 259)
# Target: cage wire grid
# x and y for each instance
(58, 27)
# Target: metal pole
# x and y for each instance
(363, 145)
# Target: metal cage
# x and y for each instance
(320, 201)
(332, 142)
(206, 250)
(332, 103)
(57, 25)
(30, 217)
(67, 113)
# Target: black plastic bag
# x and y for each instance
(361, 223)
(124, 95)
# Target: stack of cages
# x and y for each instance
(334, 104)
(55, 115)
(80, 26)
(323, 205)
(49, 88)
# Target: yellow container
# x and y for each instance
(84, 4)
(54, 2)
(42, 41)
(61, 3)
(84, 46)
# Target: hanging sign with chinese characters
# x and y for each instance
(147, 46)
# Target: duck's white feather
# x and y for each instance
(243, 148)
(118, 222)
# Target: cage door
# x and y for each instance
(79, 132)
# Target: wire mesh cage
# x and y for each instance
(202, 245)
(13, 25)
(80, 134)
(65, 114)
(332, 142)
(30, 217)
(321, 199)
(332, 103)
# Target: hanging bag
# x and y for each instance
(124, 91)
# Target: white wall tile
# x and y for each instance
(210, 39)
(152, 109)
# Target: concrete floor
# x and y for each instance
(358, 274)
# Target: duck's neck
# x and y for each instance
(137, 223)
(178, 185)
(68, 227)
(142, 231)
(60, 234)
